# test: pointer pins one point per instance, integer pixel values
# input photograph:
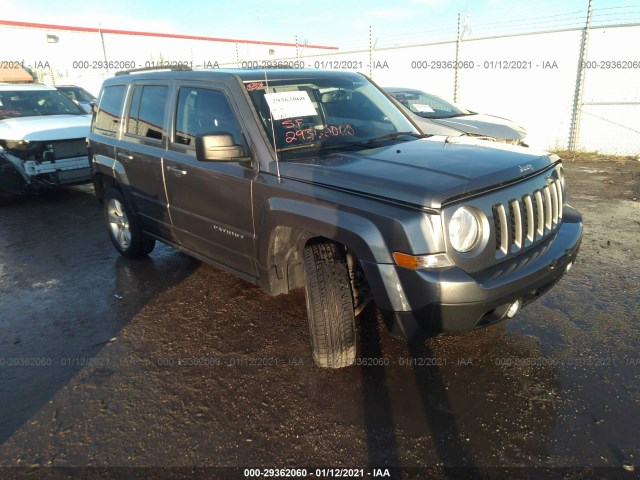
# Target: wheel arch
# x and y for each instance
(294, 224)
(102, 183)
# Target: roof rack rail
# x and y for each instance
(154, 69)
(272, 67)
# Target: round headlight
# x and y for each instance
(464, 230)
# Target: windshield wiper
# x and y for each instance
(320, 146)
(389, 136)
(458, 115)
(300, 147)
(364, 143)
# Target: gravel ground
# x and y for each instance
(167, 362)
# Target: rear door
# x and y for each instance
(105, 128)
(140, 152)
(210, 202)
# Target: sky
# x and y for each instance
(344, 23)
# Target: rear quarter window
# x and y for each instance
(107, 120)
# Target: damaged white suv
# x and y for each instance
(42, 140)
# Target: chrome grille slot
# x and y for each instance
(502, 229)
(529, 216)
(560, 198)
(516, 224)
(522, 222)
(554, 203)
(547, 209)
(540, 214)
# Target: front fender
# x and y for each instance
(10, 164)
(359, 234)
(288, 224)
(13, 179)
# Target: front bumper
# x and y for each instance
(449, 300)
(18, 177)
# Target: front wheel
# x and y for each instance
(329, 306)
(125, 232)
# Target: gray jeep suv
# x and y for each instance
(315, 179)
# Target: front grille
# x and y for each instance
(521, 222)
(72, 176)
(69, 148)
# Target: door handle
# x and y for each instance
(177, 171)
(125, 156)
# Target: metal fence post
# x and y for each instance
(574, 133)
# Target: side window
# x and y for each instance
(146, 112)
(134, 108)
(108, 115)
(202, 111)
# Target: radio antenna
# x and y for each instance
(273, 131)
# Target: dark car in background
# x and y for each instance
(436, 116)
(79, 95)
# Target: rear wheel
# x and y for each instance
(329, 306)
(125, 232)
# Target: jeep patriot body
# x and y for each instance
(316, 179)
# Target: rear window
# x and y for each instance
(146, 112)
(108, 116)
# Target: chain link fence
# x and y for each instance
(566, 96)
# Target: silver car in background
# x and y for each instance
(435, 116)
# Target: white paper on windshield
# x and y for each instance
(290, 104)
(421, 107)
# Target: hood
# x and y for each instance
(486, 125)
(424, 173)
(49, 127)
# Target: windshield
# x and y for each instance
(313, 115)
(32, 103)
(427, 105)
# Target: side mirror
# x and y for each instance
(217, 147)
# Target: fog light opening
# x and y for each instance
(569, 265)
(513, 309)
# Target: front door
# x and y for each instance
(209, 202)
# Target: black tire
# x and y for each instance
(125, 232)
(329, 306)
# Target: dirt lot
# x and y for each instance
(167, 362)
